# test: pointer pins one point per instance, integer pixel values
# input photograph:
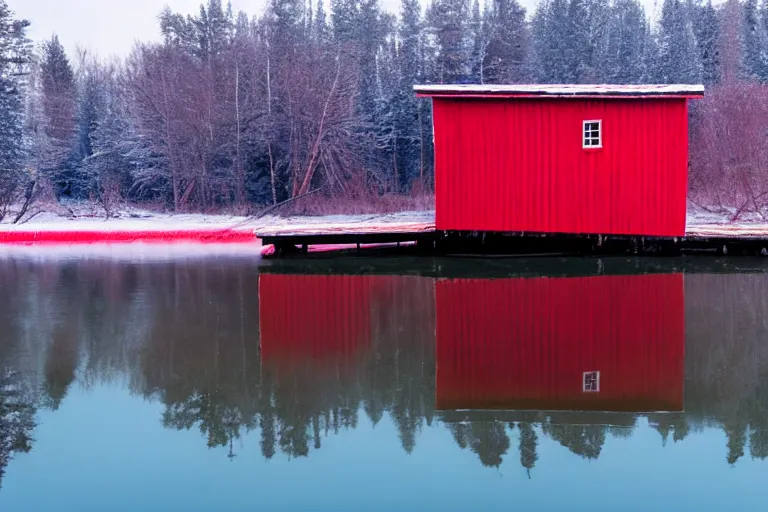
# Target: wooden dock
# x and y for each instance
(418, 229)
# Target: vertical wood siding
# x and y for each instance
(525, 343)
(519, 165)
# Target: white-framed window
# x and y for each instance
(591, 382)
(592, 134)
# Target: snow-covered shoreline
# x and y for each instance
(151, 225)
(145, 220)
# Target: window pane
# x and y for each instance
(591, 135)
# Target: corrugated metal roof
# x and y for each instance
(561, 90)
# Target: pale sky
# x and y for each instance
(110, 27)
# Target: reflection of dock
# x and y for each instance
(499, 268)
(558, 417)
(610, 343)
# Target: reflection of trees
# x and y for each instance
(758, 414)
(488, 439)
(220, 423)
(583, 440)
(668, 425)
(60, 365)
(727, 359)
(201, 354)
(528, 443)
(17, 411)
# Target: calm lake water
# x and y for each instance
(224, 383)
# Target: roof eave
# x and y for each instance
(560, 96)
(688, 91)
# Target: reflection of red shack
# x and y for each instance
(322, 319)
(327, 324)
(608, 343)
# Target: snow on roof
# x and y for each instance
(561, 90)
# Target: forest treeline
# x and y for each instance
(238, 111)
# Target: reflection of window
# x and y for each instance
(591, 382)
(592, 134)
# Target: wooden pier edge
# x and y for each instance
(719, 240)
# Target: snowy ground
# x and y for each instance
(706, 223)
(698, 216)
(133, 219)
(85, 217)
(90, 218)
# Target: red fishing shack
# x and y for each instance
(572, 159)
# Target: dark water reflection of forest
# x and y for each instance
(294, 360)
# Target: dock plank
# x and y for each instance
(424, 222)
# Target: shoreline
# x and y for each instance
(141, 226)
(135, 226)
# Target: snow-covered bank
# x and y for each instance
(84, 225)
(131, 219)
(88, 218)
(719, 223)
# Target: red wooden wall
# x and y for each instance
(519, 165)
(525, 343)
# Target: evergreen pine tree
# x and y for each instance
(622, 51)
(90, 105)
(406, 105)
(755, 43)
(14, 69)
(679, 59)
(479, 42)
(59, 107)
(320, 24)
(563, 44)
(449, 22)
(506, 50)
(706, 27)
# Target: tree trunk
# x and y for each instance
(421, 148)
(316, 146)
(240, 174)
(169, 142)
(272, 173)
(394, 164)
